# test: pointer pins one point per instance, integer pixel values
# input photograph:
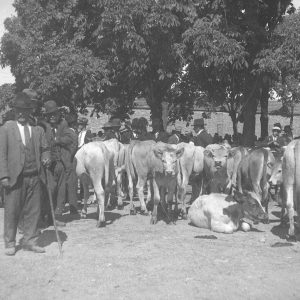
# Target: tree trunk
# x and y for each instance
(264, 118)
(234, 120)
(292, 113)
(249, 111)
(165, 114)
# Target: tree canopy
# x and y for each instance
(174, 53)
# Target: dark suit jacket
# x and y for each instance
(203, 139)
(12, 150)
(66, 139)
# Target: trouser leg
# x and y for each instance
(12, 212)
(60, 178)
(32, 209)
(72, 189)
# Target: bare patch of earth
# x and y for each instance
(131, 259)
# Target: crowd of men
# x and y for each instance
(37, 160)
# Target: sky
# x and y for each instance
(7, 10)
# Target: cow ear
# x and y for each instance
(158, 153)
(207, 152)
(179, 152)
(238, 197)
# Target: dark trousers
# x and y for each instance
(57, 182)
(72, 187)
(22, 201)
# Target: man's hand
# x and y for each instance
(5, 183)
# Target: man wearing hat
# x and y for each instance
(125, 132)
(60, 139)
(109, 131)
(82, 139)
(23, 150)
(275, 141)
(158, 134)
(201, 137)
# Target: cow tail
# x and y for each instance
(297, 177)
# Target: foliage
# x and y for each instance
(282, 61)
(7, 93)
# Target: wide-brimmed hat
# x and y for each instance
(82, 121)
(199, 122)
(50, 107)
(22, 101)
(277, 126)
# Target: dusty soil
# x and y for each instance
(131, 259)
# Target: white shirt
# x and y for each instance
(21, 129)
(81, 137)
(199, 132)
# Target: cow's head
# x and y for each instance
(219, 154)
(251, 206)
(169, 157)
(276, 174)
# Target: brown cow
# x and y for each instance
(159, 161)
(253, 173)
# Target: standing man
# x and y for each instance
(82, 138)
(23, 148)
(201, 137)
(59, 139)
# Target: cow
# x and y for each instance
(253, 172)
(275, 180)
(223, 213)
(216, 179)
(157, 161)
(94, 161)
(291, 183)
(191, 162)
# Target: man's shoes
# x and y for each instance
(34, 248)
(11, 251)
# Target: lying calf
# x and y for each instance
(223, 213)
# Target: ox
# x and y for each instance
(223, 213)
(190, 162)
(159, 162)
(253, 172)
(291, 183)
(94, 161)
(220, 165)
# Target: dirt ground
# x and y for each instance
(131, 259)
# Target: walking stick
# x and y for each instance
(53, 215)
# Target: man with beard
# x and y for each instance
(23, 149)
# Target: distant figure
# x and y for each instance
(82, 138)
(287, 134)
(201, 137)
(216, 138)
(274, 141)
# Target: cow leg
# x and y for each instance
(221, 227)
(156, 199)
(100, 193)
(86, 193)
(148, 199)
(119, 190)
(140, 188)
(289, 198)
(182, 194)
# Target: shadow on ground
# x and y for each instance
(110, 216)
(48, 237)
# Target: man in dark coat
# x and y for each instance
(60, 140)
(71, 178)
(158, 133)
(275, 141)
(201, 137)
(126, 132)
(23, 150)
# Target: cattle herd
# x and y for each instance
(230, 186)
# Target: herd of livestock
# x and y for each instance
(230, 186)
